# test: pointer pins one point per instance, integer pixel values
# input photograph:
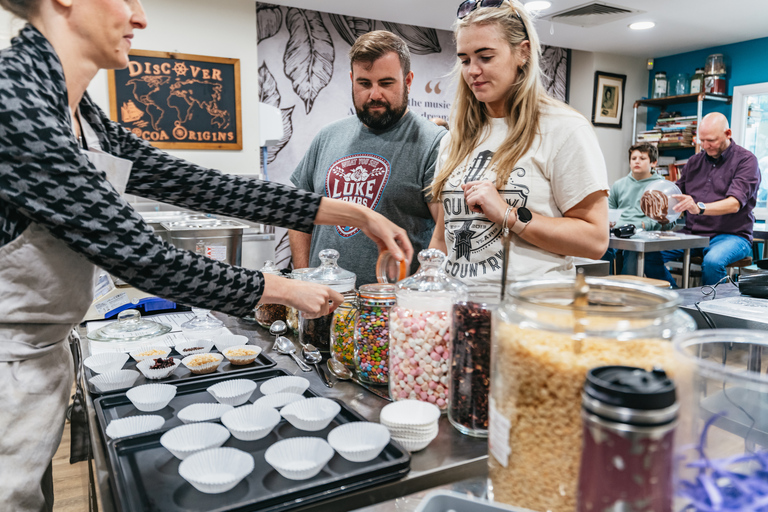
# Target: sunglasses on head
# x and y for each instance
(468, 6)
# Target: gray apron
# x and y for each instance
(45, 291)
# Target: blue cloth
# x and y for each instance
(722, 250)
(626, 259)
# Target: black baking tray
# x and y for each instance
(182, 373)
(145, 475)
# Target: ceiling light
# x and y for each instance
(642, 25)
(538, 6)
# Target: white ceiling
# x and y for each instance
(681, 25)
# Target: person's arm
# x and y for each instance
(722, 207)
(300, 244)
(438, 235)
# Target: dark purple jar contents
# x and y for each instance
(470, 368)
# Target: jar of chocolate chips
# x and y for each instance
(470, 373)
(317, 331)
(266, 314)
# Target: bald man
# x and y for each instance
(719, 191)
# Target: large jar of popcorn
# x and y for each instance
(266, 314)
(420, 332)
(546, 336)
(317, 331)
(372, 332)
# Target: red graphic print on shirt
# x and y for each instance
(358, 179)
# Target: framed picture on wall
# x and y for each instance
(608, 99)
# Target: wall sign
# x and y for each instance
(178, 101)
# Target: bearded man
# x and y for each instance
(383, 159)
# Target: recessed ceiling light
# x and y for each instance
(642, 25)
(538, 5)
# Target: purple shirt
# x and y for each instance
(734, 174)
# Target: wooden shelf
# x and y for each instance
(675, 146)
(685, 98)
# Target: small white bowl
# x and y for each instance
(161, 373)
(278, 400)
(119, 379)
(217, 470)
(285, 384)
(201, 345)
(151, 397)
(413, 445)
(243, 359)
(202, 369)
(144, 352)
(311, 414)
(185, 440)
(251, 422)
(359, 441)
(134, 425)
(106, 362)
(203, 412)
(299, 458)
(224, 341)
(233, 392)
(409, 413)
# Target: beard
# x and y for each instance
(385, 119)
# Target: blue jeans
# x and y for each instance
(722, 250)
(628, 261)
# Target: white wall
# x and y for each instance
(198, 27)
(614, 142)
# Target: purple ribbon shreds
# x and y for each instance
(717, 488)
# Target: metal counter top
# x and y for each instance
(451, 457)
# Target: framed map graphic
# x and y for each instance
(178, 101)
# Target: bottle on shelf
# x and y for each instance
(660, 85)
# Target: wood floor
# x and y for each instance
(70, 481)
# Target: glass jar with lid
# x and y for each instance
(715, 64)
(374, 302)
(292, 314)
(679, 84)
(697, 81)
(266, 314)
(546, 336)
(317, 331)
(343, 331)
(420, 332)
(660, 85)
(471, 362)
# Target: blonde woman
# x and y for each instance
(515, 157)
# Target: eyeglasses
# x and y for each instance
(468, 6)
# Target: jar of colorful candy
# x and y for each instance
(420, 332)
(317, 331)
(343, 332)
(372, 332)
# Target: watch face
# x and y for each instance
(524, 214)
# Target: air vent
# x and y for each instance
(592, 14)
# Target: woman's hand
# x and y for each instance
(483, 197)
(312, 299)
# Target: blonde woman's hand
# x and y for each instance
(483, 197)
(312, 299)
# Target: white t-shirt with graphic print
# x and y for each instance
(563, 166)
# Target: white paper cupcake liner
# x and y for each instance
(312, 414)
(185, 440)
(111, 381)
(278, 400)
(413, 445)
(202, 369)
(407, 433)
(106, 362)
(151, 397)
(233, 392)
(299, 458)
(224, 341)
(217, 470)
(285, 384)
(156, 374)
(251, 422)
(201, 345)
(137, 354)
(134, 425)
(359, 441)
(242, 360)
(409, 413)
(203, 412)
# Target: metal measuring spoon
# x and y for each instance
(285, 346)
(312, 355)
(341, 372)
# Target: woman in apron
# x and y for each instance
(63, 167)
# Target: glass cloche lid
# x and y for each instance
(430, 288)
(330, 274)
(129, 327)
(202, 322)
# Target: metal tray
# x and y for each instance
(145, 475)
(448, 501)
(182, 373)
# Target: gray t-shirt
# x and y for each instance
(386, 171)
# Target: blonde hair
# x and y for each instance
(527, 95)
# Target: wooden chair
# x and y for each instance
(733, 269)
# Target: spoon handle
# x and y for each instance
(301, 363)
(323, 376)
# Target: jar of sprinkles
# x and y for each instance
(371, 355)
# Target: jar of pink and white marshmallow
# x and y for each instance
(420, 332)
